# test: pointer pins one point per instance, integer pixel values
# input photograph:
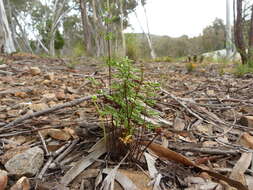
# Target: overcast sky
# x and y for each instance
(178, 17)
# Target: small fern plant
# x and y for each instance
(127, 104)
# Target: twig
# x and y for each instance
(43, 143)
(46, 111)
(46, 166)
(205, 150)
(243, 87)
(68, 150)
(182, 104)
(5, 72)
(50, 160)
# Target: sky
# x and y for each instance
(178, 17)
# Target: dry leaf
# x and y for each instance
(168, 154)
(205, 129)
(21, 94)
(49, 76)
(178, 124)
(240, 167)
(72, 132)
(246, 140)
(22, 184)
(60, 95)
(98, 150)
(59, 134)
(151, 164)
(3, 179)
(249, 180)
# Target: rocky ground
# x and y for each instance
(50, 136)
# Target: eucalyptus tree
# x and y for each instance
(99, 19)
(6, 41)
(19, 16)
(39, 21)
(152, 50)
(244, 30)
(228, 29)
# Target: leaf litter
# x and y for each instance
(205, 120)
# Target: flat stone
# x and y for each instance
(26, 163)
(35, 70)
(49, 96)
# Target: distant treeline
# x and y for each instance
(211, 39)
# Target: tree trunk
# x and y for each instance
(86, 27)
(59, 13)
(51, 43)
(228, 31)
(122, 28)
(96, 29)
(6, 41)
(23, 36)
(250, 50)
(239, 40)
(153, 54)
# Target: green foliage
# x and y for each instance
(78, 49)
(213, 38)
(72, 64)
(167, 59)
(59, 40)
(131, 48)
(45, 31)
(129, 98)
(242, 69)
(1, 61)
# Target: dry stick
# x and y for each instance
(44, 169)
(50, 160)
(200, 118)
(68, 150)
(182, 104)
(43, 143)
(46, 111)
(243, 87)
(205, 150)
(5, 72)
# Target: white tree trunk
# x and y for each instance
(122, 29)
(59, 14)
(228, 30)
(153, 54)
(152, 51)
(6, 40)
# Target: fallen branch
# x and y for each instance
(5, 72)
(182, 104)
(205, 150)
(46, 111)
